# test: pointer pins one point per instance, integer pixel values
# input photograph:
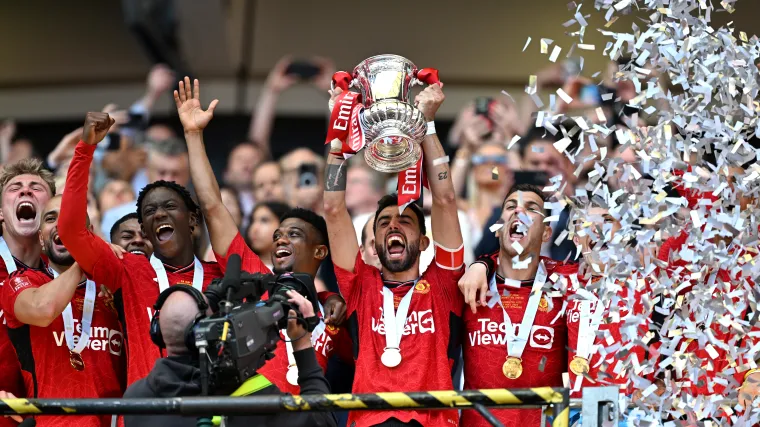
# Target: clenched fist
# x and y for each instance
(96, 126)
(429, 100)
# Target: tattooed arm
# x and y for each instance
(444, 217)
(344, 246)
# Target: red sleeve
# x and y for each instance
(91, 252)
(673, 243)
(9, 292)
(691, 195)
(350, 284)
(448, 282)
(11, 380)
(251, 262)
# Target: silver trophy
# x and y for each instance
(393, 127)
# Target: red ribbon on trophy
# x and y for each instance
(409, 186)
(345, 125)
(344, 118)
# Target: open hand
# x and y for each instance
(160, 79)
(429, 100)
(96, 126)
(278, 80)
(188, 100)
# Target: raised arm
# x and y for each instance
(262, 119)
(340, 229)
(84, 246)
(221, 226)
(444, 218)
(40, 306)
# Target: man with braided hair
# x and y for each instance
(167, 214)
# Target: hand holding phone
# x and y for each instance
(304, 70)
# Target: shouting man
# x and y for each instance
(25, 187)
(46, 308)
(168, 216)
(403, 320)
(519, 339)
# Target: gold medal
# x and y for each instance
(76, 361)
(512, 368)
(579, 366)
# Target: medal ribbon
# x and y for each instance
(5, 253)
(588, 324)
(163, 280)
(314, 336)
(68, 318)
(516, 343)
(394, 321)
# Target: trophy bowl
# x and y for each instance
(393, 127)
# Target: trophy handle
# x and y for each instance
(427, 76)
(342, 80)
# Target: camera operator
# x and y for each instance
(178, 374)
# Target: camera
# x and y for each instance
(241, 335)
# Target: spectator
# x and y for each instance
(300, 190)
(168, 161)
(231, 201)
(159, 133)
(267, 183)
(365, 187)
(115, 193)
(241, 163)
(367, 247)
(265, 219)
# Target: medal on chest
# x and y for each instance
(393, 324)
(588, 323)
(512, 368)
(88, 307)
(76, 361)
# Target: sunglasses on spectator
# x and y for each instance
(478, 159)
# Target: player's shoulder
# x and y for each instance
(25, 277)
(211, 268)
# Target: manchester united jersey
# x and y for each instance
(11, 379)
(426, 343)
(544, 358)
(133, 275)
(44, 353)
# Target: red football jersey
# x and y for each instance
(139, 286)
(133, 275)
(544, 358)
(426, 363)
(611, 339)
(11, 379)
(331, 340)
(45, 354)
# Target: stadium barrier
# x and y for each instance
(479, 400)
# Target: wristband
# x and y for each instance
(430, 128)
(441, 160)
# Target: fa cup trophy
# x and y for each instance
(378, 115)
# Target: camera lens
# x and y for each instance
(307, 180)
